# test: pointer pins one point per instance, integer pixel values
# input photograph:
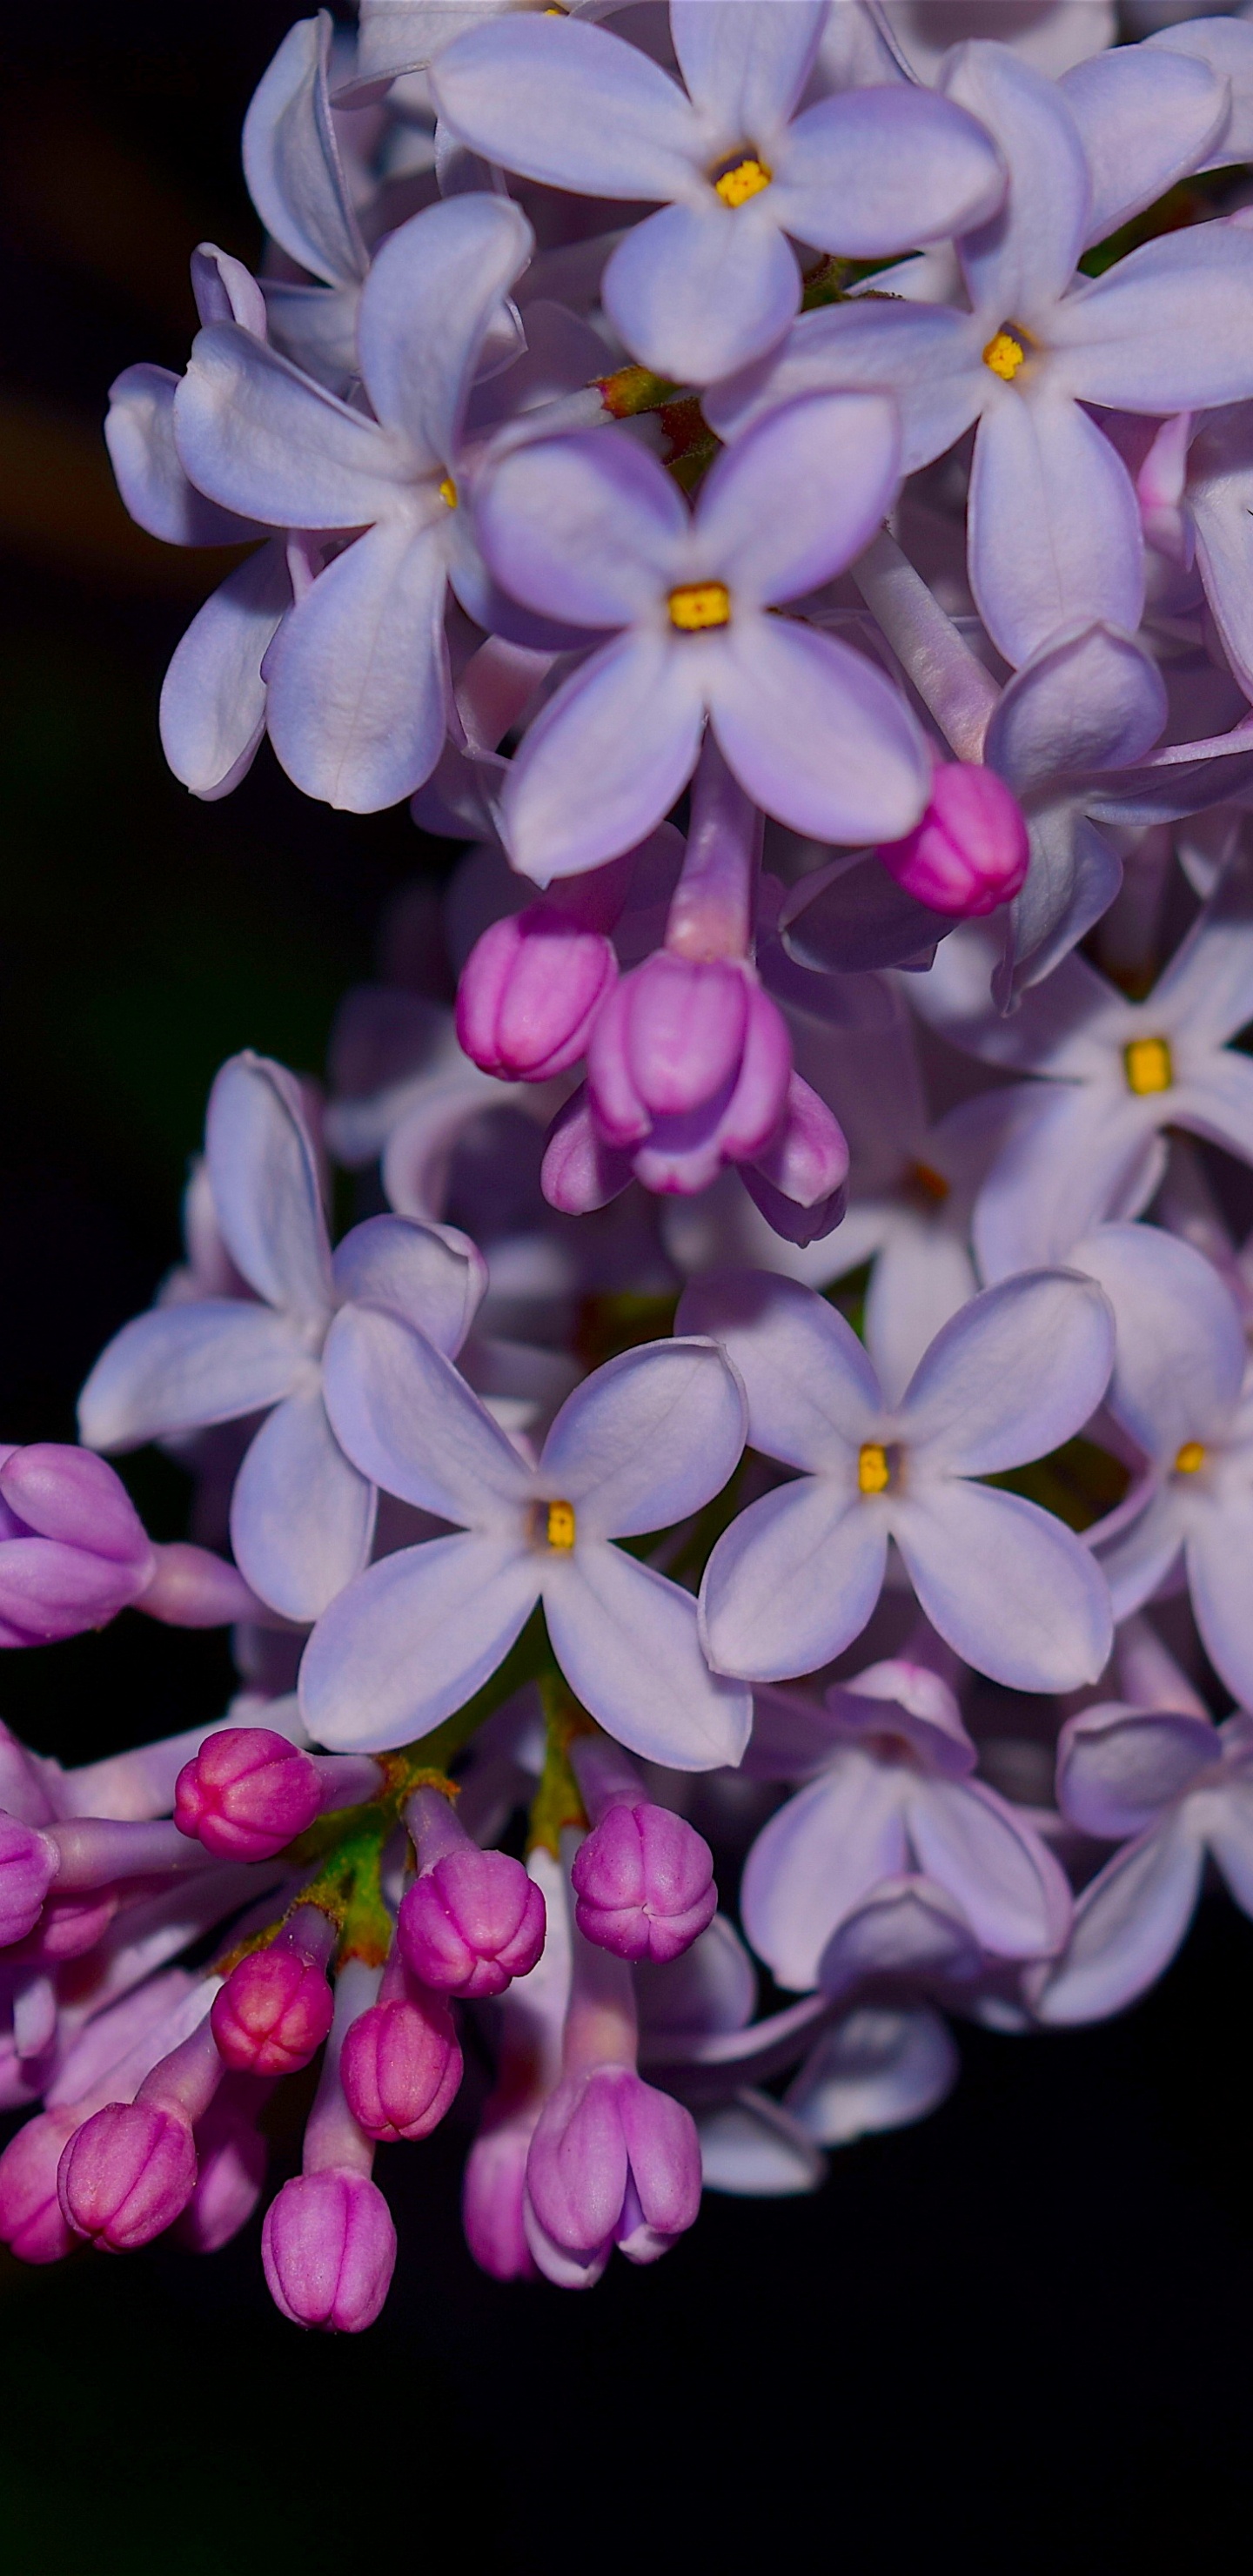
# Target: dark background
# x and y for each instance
(1013, 2338)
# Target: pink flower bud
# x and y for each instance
(530, 991)
(401, 2066)
(688, 1068)
(73, 1550)
(193, 1588)
(32, 2222)
(70, 1926)
(231, 2154)
(612, 2161)
(329, 2250)
(493, 2195)
(29, 1862)
(127, 2173)
(471, 1923)
(799, 1182)
(970, 851)
(273, 2012)
(643, 1883)
(246, 1793)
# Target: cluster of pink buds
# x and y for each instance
(73, 1552)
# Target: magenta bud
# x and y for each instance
(246, 1793)
(29, 1862)
(231, 2155)
(688, 1068)
(32, 2222)
(401, 2067)
(530, 991)
(70, 1926)
(273, 2012)
(493, 2196)
(643, 1883)
(329, 2250)
(472, 1923)
(613, 2161)
(970, 852)
(127, 2173)
(73, 1550)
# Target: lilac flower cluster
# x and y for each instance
(779, 490)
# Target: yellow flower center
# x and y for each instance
(558, 1526)
(698, 604)
(874, 1474)
(1148, 1065)
(1191, 1456)
(448, 492)
(746, 179)
(1004, 354)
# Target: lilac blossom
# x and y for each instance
(643, 1879)
(1012, 1591)
(643, 1442)
(297, 182)
(301, 1515)
(328, 2245)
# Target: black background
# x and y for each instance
(1014, 2338)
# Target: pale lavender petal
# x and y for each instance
(357, 687)
(752, 2146)
(291, 158)
(745, 67)
(1019, 262)
(570, 105)
(264, 1181)
(1012, 1591)
(139, 434)
(302, 1516)
(588, 528)
(1227, 1817)
(698, 290)
(815, 1861)
(922, 1276)
(1118, 1767)
(1129, 1923)
(226, 291)
(1006, 1881)
(1074, 875)
(431, 293)
(213, 695)
(1041, 464)
(411, 1424)
(316, 327)
(628, 1644)
(181, 1366)
(879, 170)
(793, 1580)
(1085, 1155)
(925, 356)
(1181, 1349)
(412, 1639)
(267, 441)
(1219, 1553)
(1216, 1100)
(813, 1396)
(1145, 118)
(1138, 1559)
(1010, 1377)
(1169, 329)
(836, 456)
(879, 2068)
(816, 733)
(1066, 1026)
(604, 762)
(1207, 989)
(1226, 46)
(429, 1274)
(647, 1439)
(1094, 700)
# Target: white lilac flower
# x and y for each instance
(795, 1578)
(641, 1444)
(302, 1515)
(1111, 1077)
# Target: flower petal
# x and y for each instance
(647, 1439)
(815, 1860)
(587, 528)
(1091, 700)
(429, 1274)
(816, 733)
(879, 2067)
(813, 1396)
(411, 1424)
(1144, 118)
(1219, 1552)
(412, 1639)
(1168, 329)
(1140, 1557)
(925, 356)
(183, 1366)
(793, 1580)
(302, 1516)
(745, 67)
(1012, 1591)
(753, 2147)
(1129, 1923)
(1181, 1350)
(1006, 1881)
(697, 291)
(837, 458)
(139, 434)
(1117, 1767)
(606, 759)
(570, 105)
(1016, 265)
(1207, 989)
(265, 1185)
(628, 1644)
(1041, 464)
(356, 703)
(1010, 1377)
(878, 170)
(264, 440)
(291, 159)
(1217, 1101)
(922, 1276)
(213, 695)
(1226, 1815)
(1083, 1156)
(431, 293)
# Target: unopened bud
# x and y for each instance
(401, 2066)
(472, 1923)
(530, 991)
(329, 2250)
(643, 1883)
(29, 1862)
(970, 852)
(127, 2173)
(273, 2012)
(246, 1793)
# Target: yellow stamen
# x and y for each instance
(448, 492)
(559, 1527)
(746, 180)
(698, 604)
(1148, 1065)
(873, 1472)
(1191, 1456)
(1004, 354)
